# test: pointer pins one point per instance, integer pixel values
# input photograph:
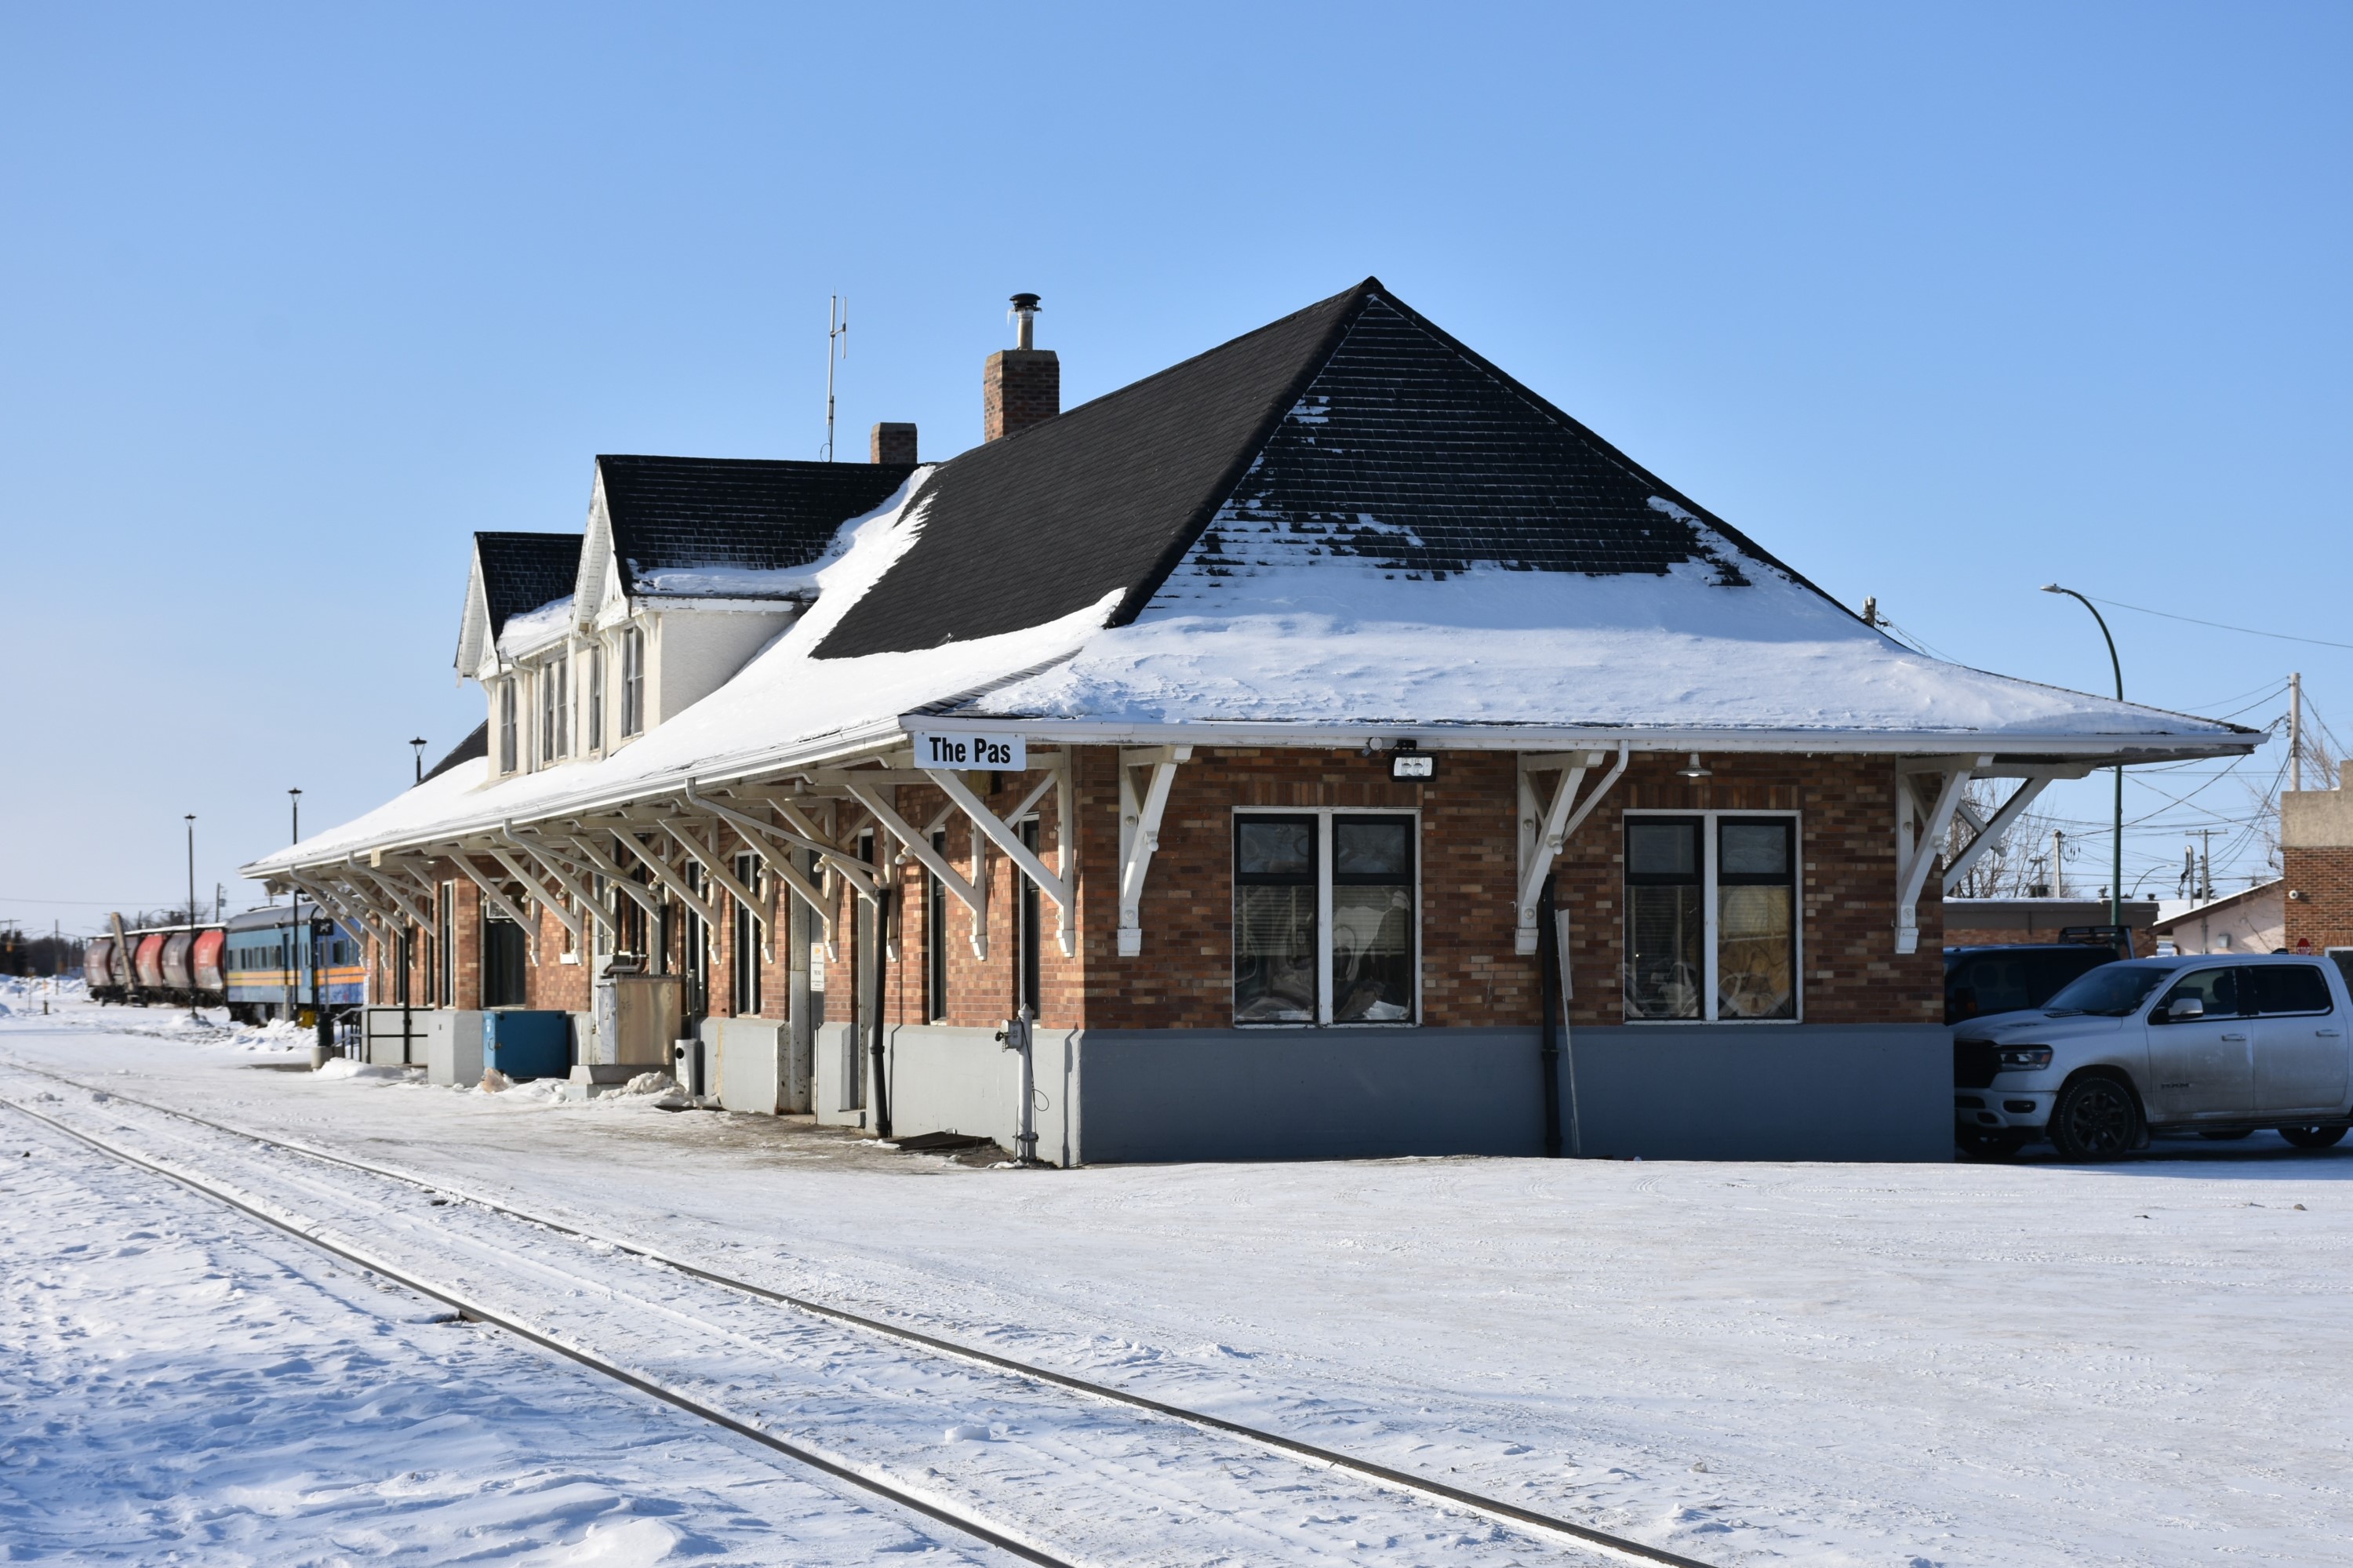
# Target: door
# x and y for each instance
(2299, 1038)
(2199, 1068)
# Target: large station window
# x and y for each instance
(1711, 917)
(1324, 918)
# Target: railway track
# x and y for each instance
(480, 1303)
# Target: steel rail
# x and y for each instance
(1401, 1480)
(475, 1311)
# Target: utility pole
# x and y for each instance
(2058, 862)
(2205, 885)
(193, 1017)
(2296, 730)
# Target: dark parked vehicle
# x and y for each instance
(2013, 978)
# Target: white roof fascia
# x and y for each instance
(594, 581)
(849, 746)
(474, 642)
(1557, 738)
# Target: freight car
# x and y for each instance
(273, 962)
(178, 966)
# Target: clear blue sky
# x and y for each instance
(1939, 302)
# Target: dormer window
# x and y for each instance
(507, 726)
(555, 710)
(633, 680)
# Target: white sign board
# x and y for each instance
(969, 751)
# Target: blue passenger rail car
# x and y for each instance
(292, 963)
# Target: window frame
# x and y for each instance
(592, 702)
(633, 681)
(1324, 884)
(505, 699)
(1709, 852)
(743, 981)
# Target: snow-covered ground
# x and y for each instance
(1748, 1363)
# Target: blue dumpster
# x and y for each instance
(528, 1044)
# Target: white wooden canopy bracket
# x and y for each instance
(1008, 844)
(392, 892)
(711, 862)
(351, 907)
(606, 867)
(1141, 808)
(582, 893)
(499, 900)
(669, 877)
(1989, 832)
(537, 889)
(866, 881)
(918, 846)
(1916, 841)
(1547, 825)
(763, 837)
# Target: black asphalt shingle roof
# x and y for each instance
(523, 571)
(478, 744)
(669, 512)
(1354, 428)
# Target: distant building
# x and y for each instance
(2317, 867)
(2252, 920)
(1973, 922)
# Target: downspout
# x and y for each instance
(882, 1068)
(1548, 946)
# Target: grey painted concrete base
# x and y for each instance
(1878, 1092)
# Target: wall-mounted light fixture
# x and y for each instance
(1696, 769)
(1408, 761)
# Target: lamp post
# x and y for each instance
(191, 820)
(2116, 872)
(417, 743)
(294, 799)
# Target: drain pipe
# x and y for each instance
(1548, 947)
(881, 1069)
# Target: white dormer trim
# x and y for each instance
(598, 584)
(478, 654)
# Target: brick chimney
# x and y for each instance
(892, 443)
(1022, 386)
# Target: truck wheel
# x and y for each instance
(2095, 1119)
(2312, 1137)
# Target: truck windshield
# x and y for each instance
(2112, 991)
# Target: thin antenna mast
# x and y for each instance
(837, 347)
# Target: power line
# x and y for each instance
(2220, 626)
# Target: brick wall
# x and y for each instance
(2323, 916)
(1470, 974)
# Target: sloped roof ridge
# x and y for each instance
(1601, 445)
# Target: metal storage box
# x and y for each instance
(637, 1018)
(527, 1044)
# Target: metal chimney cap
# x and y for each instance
(1025, 302)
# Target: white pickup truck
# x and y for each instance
(2218, 1047)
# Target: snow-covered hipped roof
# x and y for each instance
(1344, 527)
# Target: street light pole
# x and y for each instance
(191, 960)
(294, 798)
(2117, 875)
(418, 744)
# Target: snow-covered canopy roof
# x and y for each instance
(1343, 527)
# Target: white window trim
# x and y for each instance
(1323, 815)
(1708, 939)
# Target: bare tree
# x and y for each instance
(2006, 868)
